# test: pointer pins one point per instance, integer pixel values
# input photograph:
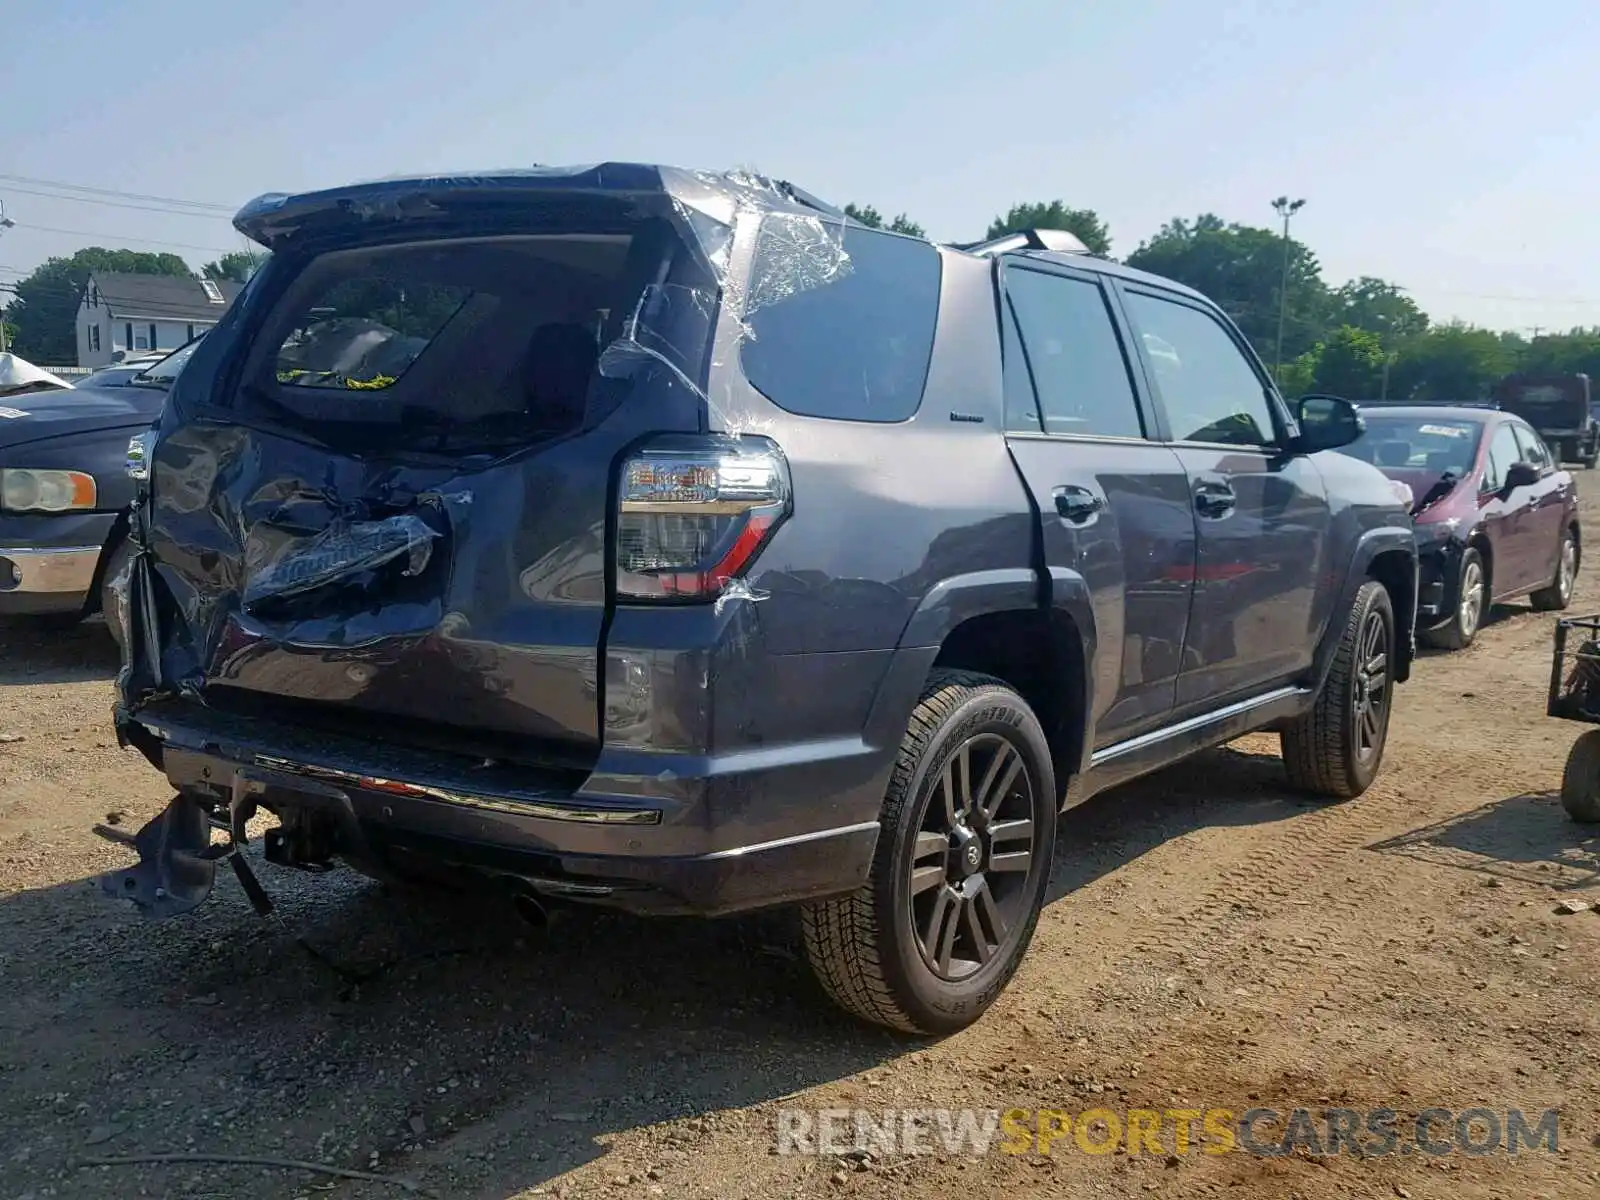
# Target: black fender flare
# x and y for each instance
(1368, 547)
(953, 601)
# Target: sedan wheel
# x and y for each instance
(1472, 604)
(1559, 594)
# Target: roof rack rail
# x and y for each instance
(1057, 240)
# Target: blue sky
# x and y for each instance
(1453, 148)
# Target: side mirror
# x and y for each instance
(1326, 423)
(1521, 474)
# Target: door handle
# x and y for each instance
(1077, 505)
(1214, 498)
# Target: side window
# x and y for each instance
(1532, 447)
(1209, 389)
(1503, 452)
(840, 319)
(1071, 352)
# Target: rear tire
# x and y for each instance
(1472, 605)
(1580, 779)
(931, 939)
(1335, 750)
(1559, 594)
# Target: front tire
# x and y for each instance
(1559, 594)
(1472, 603)
(1335, 750)
(928, 943)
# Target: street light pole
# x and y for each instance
(1286, 208)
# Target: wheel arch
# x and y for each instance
(1037, 636)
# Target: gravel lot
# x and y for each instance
(1212, 940)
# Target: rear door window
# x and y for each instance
(840, 320)
(1070, 354)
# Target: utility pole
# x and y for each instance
(1286, 208)
(5, 224)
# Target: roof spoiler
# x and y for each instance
(1058, 241)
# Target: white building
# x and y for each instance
(123, 314)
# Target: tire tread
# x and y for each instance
(842, 936)
(1314, 746)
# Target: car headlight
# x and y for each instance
(24, 490)
(141, 448)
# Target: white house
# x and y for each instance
(123, 314)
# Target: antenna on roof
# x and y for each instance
(1058, 241)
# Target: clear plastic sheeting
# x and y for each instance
(705, 207)
(342, 551)
(735, 590)
(812, 255)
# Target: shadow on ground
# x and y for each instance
(1528, 838)
(40, 652)
(447, 1032)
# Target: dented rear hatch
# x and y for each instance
(380, 493)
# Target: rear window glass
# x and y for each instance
(480, 342)
(839, 319)
(366, 332)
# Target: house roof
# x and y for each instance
(163, 297)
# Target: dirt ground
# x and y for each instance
(1212, 941)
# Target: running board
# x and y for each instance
(1122, 761)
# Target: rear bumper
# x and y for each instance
(712, 836)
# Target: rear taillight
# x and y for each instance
(693, 513)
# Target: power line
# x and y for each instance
(95, 191)
(124, 238)
(171, 209)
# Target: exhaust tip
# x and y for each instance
(531, 909)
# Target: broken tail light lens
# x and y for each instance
(693, 513)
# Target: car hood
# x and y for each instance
(38, 415)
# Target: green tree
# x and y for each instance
(1577, 350)
(44, 315)
(1240, 267)
(1349, 363)
(1379, 307)
(1084, 223)
(873, 219)
(1451, 362)
(1299, 375)
(237, 266)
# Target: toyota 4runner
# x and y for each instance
(666, 540)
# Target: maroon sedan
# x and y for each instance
(1496, 516)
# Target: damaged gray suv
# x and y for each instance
(666, 540)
